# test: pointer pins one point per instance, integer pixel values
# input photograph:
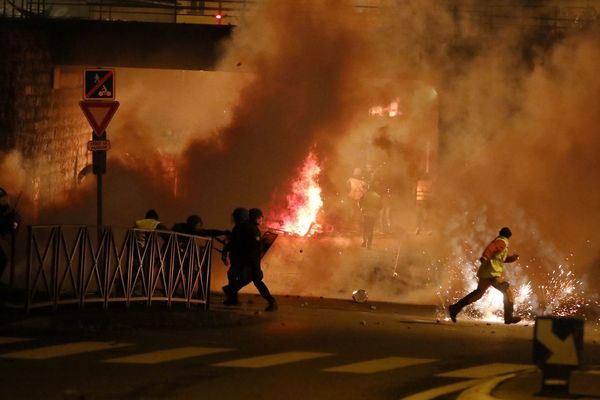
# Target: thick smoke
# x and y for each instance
(503, 119)
(12, 171)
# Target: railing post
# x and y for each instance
(55, 265)
(209, 247)
(82, 260)
(130, 243)
(28, 269)
(106, 234)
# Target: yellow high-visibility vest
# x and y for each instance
(495, 265)
(148, 224)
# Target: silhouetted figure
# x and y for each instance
(9, 223)
(370, 205)
(385, 215)
(357, 187)
(233, 254)
(490, 274)
(194, 226)
(250, 252)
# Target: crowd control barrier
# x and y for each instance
(84, 264)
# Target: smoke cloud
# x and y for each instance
(502, 119)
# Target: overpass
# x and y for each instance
(122, 43)
(186, 34)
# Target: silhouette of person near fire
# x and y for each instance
(244, 252)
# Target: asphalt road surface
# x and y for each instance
(309, 349)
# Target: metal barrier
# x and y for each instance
(81, 265)
(130, 10)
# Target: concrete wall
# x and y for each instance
(39, 118)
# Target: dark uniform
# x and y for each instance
(235, 255)
(9, 222)
(253, 272)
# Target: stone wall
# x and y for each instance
(40, 118)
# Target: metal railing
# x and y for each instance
(173, 11)
(82, 265)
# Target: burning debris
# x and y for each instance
(303, 203)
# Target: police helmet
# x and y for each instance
(194, 220)
(255, 213)
(239, 215)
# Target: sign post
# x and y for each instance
(99, 107)
(557, 347)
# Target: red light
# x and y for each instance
(218, 16)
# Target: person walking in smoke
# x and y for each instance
(490, 274)
(370, 205)
(356, 189)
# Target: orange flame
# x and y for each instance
(304, 203)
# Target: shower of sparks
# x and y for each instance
(559, 293)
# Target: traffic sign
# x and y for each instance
(98, 145)
(99, 84)
(99, 114)
(557, 346)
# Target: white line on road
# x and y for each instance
(61, 350)
(486, 370)
(379, 365)
(272, 359)
(483, 390)
(156, 357)
(439, 391)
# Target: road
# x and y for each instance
(312, 348)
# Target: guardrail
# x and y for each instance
(82, 265)
(560, 15)
(172, 11)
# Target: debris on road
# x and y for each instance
(360, 296)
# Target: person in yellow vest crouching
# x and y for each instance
(149, 223)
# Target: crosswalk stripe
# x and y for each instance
(272, 359)
(441, 390)
(486, 370)
(379, 365)
(61, 350)
(156, 357)
(8, 340)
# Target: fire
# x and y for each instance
(304, 202)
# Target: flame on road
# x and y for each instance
(304, 201)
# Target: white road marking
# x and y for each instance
(156, 357)
(272, 359)
(439, 391)
(486, 370)
(61, 350)
(483, 390)
(379, 365)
